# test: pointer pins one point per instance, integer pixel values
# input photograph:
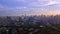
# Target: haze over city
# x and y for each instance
(29, 16)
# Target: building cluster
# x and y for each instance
(29, 24)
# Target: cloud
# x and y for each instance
(53, 3)
(41, 3)
(30, 3)
(14, 11)
(17, 7)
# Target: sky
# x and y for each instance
(29, 7)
